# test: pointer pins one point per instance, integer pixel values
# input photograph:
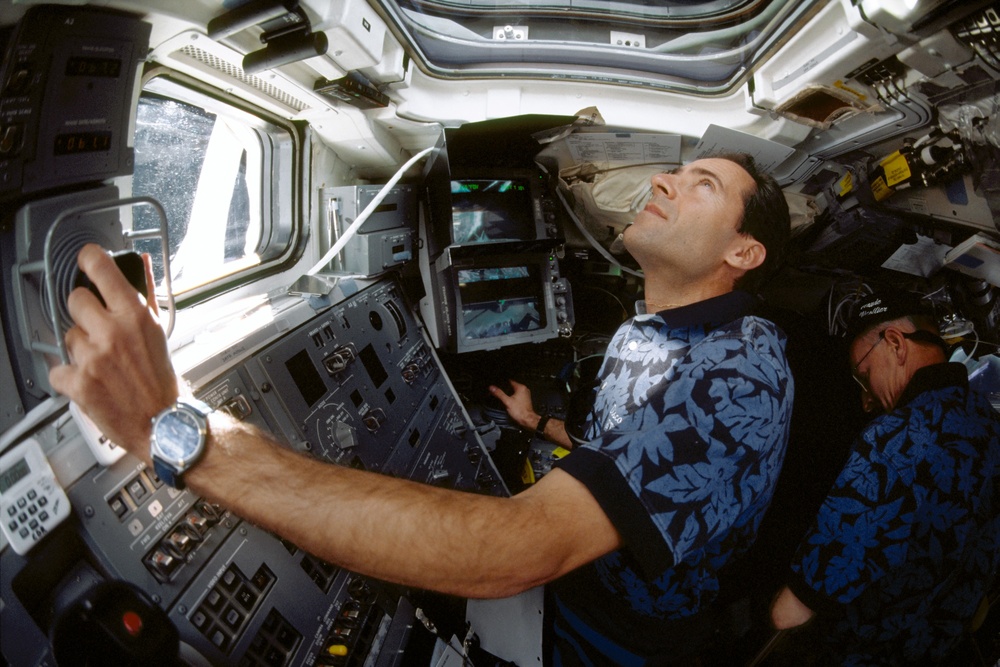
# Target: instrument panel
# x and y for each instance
(356, 385)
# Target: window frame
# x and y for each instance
(283, 238)
(444, 48)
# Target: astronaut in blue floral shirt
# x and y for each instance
(907, 543)
(688, 429)
(670, 488)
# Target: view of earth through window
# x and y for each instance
(189, 160)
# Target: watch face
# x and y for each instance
(178, 435)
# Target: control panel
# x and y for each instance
(387, 237)
(357, 385)
(65, 97)
(360, 386)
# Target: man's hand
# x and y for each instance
(520, 409)
(119, 370)
(518, 404)
(788, 611)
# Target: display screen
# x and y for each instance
(82, 142)
(486, 210)
(179, 435)
(499, 301)
(87, 66)
(14, 474)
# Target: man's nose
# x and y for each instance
(664, 183)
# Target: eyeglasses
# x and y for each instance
(854, 372)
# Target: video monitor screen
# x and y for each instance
(487, 210)
(499, 301)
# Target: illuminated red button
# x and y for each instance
(132, 622)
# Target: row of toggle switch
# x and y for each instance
(164, 559)
(349, 643)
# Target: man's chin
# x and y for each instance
(624, 236)
(634, 250)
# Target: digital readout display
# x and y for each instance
(71, 143)
(110, 68)
(13, 475)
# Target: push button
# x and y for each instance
(118, 505)
(137, 490)
(132, 623)
(246, 597)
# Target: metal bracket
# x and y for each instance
(47, 268)
(628, 39)
(510, 33)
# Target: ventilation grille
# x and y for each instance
(234, 72)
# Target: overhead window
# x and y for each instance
(700, 47)
(224, 176)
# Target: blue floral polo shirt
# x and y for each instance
(908, 540)
(685, 442)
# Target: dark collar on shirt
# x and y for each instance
(712, 312)
(933, 377)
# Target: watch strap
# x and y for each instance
(540, 429)
(166, 474)
(200, 406)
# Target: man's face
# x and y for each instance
(690, 222)
(876, 366)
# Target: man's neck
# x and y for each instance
(662, 297)
(665, 289)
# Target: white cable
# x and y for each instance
(976, 345)
(594, 243)
(352, 230)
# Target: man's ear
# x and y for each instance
(747, 254)
(895, 339)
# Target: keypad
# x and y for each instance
(226, 609)
(28, 513)
(274, 644)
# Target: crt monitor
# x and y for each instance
(485, 210)
(498, 301)
(489, 296)
(485, 206)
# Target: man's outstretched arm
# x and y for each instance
(453, 542)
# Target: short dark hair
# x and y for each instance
(765, 218)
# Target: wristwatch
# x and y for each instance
(540, 429)
(178, 439)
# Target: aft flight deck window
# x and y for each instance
(220, 173)
(700, 47)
